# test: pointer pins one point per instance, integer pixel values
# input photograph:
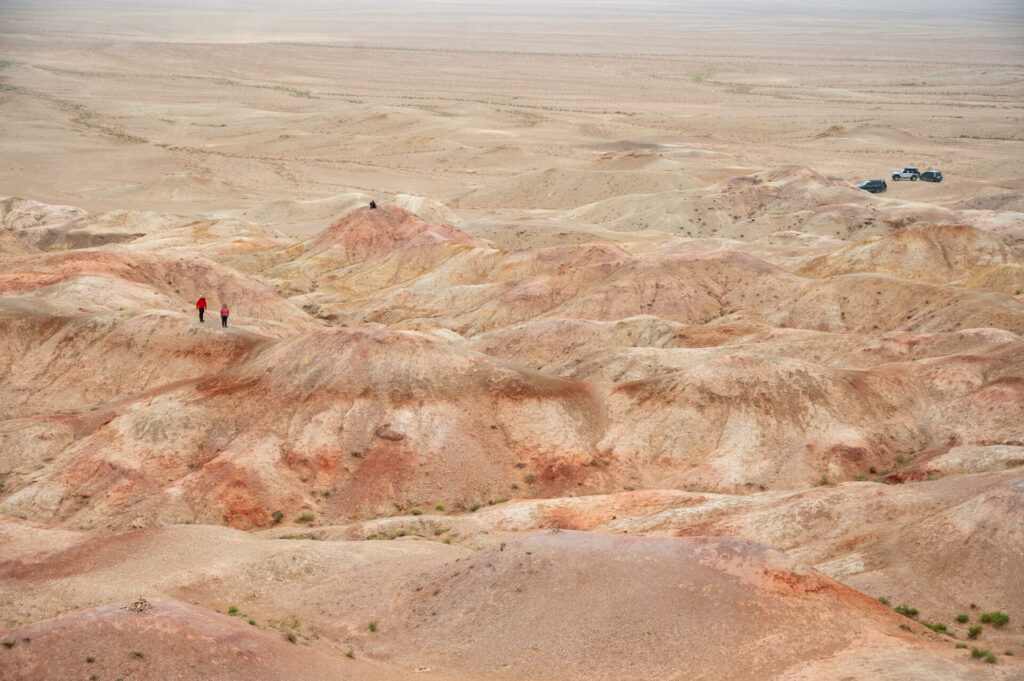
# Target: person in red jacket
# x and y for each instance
(224, 312)
(201, 306)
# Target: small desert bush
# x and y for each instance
(372, 626)
(305, 518)
(995, 618)
(438, 507)
(906, 610)
(961, 645)
(986, 655)
(937, 627)
(278, 516)
(883, 600)
(475, 507)
(232, 609)
(973, 632)
(962, 618)
(350, 653)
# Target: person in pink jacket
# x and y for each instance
(224, 312)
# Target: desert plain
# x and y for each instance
(624, 377)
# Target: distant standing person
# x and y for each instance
(224, 312)
(373, 205)
(201, 306)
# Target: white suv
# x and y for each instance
(906, 174)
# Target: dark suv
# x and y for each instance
(932, 176)
(874, 186)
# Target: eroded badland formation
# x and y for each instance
(625, 378)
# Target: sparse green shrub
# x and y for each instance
(278, 516)
(937, 627)
(474, 507)
(291, 637)
(138, 655)
(961, 645)
(438, 531)
(995, 618)
(905, 626)
(975, 653)
(438, 507)
(416, 511)
(1009, 652)
(447, 539)
(252, 622)
(906, 610)
(883, 600)
(305, 518)
(9, 644)
(350, 653)
(860, 477)
(962, 618)
(973, 632)
(232, 609)
(372, 626)
(530, 478)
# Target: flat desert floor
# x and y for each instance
(625, 378)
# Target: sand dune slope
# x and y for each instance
(637, 607)
(341, 421)
(936, 253)
(119, 279)
(161, 639)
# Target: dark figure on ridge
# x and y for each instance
(373, 205)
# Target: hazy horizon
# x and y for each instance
(614, 26)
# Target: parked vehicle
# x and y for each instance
(874, 186)
(931, 176)
(906, 174)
